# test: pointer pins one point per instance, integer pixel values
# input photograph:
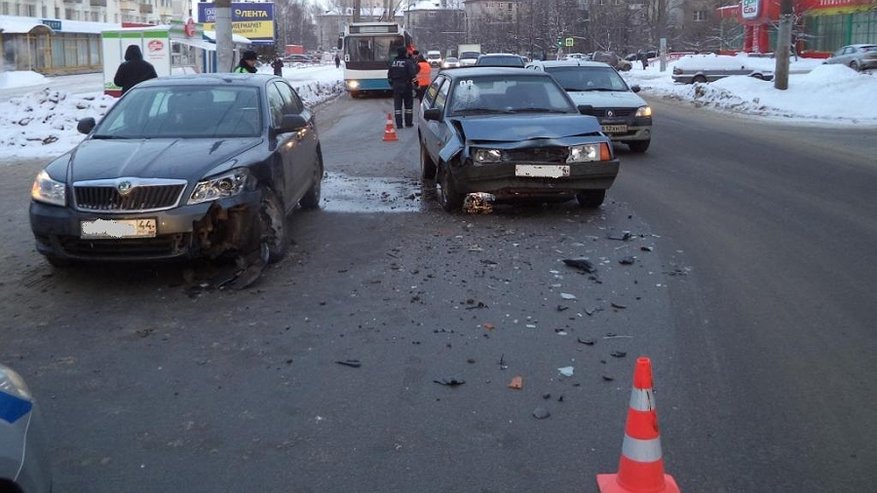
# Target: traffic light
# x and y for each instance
(559, 42)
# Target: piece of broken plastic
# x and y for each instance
(566, 371)
(582, 264)
(517, 383)
(450, 381)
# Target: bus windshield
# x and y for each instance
(372, 48)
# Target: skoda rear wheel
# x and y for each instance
(311, 199)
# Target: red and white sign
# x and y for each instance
(155, 45)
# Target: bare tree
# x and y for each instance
(294, 23)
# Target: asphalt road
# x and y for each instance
(775, 322)
(753, 305)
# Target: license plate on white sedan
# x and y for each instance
(614, 129)
(541, 170)
(123, 228)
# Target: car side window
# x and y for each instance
(433, 91)
(291, 101)
(442, 96)
(275, 105)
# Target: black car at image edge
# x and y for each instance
(181, 167)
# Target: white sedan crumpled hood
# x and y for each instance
(605, 99)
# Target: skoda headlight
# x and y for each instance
(47, 190)
(584, 153)
(643, 111)
(486, 156)
(220, 187)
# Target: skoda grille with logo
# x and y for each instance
(124, 188)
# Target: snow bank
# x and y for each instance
(42, 124)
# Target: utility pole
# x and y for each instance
(784, 42)
(224, 44)
(357, 6)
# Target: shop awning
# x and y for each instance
(197, 43)
(10, 26)
(235, 38)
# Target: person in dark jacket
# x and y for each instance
(247, 65)
(277, 65)
(337, 61)
(133, 70)
(401, 75)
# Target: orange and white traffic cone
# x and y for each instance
(390, 130)
(641, 468)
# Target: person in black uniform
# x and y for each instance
(401, 76)
(133, 70)
(277, 65)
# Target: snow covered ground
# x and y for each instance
(38, 119)
(827, 94)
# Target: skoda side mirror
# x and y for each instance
(292, 123)
(85, 125)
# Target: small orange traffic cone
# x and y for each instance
(641, 468)
(390, 130)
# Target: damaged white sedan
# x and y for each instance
(182, 167)
(512, 133)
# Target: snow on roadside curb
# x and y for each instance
(826, 94)
(42, 124)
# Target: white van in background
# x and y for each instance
(434, 57)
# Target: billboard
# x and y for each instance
(252, 20)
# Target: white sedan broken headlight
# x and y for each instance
(220, 187)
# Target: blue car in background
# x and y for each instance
(24, 466)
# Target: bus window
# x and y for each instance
(372, 48)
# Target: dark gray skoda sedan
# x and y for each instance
(182, 167)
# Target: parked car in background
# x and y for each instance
(24, 460)
(577, 56)
(624, 116)
(500, 60)
(294, 58)
(468, 58)
(180, 167)
(710, 68)
(611, 59)
(856, 57)
(513, 133)
(451, 62)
